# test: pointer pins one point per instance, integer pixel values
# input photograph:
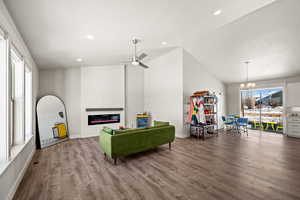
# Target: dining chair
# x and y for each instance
(242, 123)
(258, 124)
(272, 124)
(227, 122)
(279, 126)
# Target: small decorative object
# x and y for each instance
(55, 132)
(200, 93)
(59, 131)
(143, 120)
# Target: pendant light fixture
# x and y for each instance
(247, 85)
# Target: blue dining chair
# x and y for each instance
(227, 122)
(242, 123)
(230, 116)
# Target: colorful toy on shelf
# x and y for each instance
(200, 93)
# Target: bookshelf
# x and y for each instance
(204, 120)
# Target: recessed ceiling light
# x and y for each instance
(164, 43)
(79, 59)
(217, 12)
(90, 37)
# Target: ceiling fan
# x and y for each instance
(137, 60)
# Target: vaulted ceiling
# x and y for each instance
(263, 31)
(268, 38)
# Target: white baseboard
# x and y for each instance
(181, 136)
(90, 135)
(15, 186)
(84, 136)
(75, 136)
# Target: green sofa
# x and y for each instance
(130, 141)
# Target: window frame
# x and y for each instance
(28, 69)
(12, 102)
(5, 150)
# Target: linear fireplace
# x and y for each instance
(103, 119)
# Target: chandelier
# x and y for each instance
(247, 85)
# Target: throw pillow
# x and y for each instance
(108, 130)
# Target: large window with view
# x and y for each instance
(263, 108)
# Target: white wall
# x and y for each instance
(52, 82)
(66, 84)
(197, 78)
(164, 89)
(134, 93)
(169, 82)
(232, 99)
(12, 175)
(102, 87)
(159, 90)
(73, 100)
(293, 92)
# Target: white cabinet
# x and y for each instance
(293, 121)
(293, 94)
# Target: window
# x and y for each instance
(17, 100)
(28, 103)
(263, 108)
(3, 98)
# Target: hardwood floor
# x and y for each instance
(260, 166)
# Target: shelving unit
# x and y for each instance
(207, 118)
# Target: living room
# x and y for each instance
(152, 99)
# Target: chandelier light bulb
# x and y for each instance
(248, 84)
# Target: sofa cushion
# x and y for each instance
(108, 130)
(120, 131)
(160, 123)
(137, 141)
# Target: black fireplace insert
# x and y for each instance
(103, 119)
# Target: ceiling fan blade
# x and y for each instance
(143, 65)
(142, 56)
